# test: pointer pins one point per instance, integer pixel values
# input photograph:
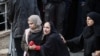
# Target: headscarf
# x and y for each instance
(96, 18)
(53, 29)
(37, 21)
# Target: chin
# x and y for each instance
(45, 33)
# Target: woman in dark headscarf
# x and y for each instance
(53, 44)
(86, 40)
(33, 33)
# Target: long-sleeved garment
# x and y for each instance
(18, 13)
(32, 37)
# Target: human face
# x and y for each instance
(31, 25)
(46, 28)
(89, 21)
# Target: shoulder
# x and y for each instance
(27, 30)
(54, 36)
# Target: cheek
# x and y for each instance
(46, 30)
(49, 30)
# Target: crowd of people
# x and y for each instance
(50, 27)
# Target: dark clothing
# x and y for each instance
(18, 13)
(18, 46)
(32, 37)
(88, 38)
(85, 41)
(54, 46)
(79, 20)
(97, 42)
(55, 12)
(93, 5)
(37, 38)
(96, 18)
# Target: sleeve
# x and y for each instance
(10, 13)
(48, 48)
(37, 47)
(75, 44)
(24, 45)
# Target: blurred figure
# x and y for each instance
(55, 11)
(18, 12)
(87, 38)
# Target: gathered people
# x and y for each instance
(52, 44)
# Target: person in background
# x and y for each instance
(87, 38)
(18, 12)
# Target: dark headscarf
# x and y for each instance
(96, 17)
(53, 29)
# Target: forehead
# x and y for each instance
(47, 24)
(89, 18)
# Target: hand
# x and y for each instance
(32, 47)
(97, 53)
(31, 43)
(63, 38)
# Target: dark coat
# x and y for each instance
(84, 41)
(53, 45)
(18, 13)
(96, 17)
(32, 37)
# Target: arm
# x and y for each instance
(33, 46)
(75, 44)
(10, 13)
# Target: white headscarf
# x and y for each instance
(37, 21)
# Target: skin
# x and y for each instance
(31, 25)
(97, 53)
(46, 28)
(89, 21)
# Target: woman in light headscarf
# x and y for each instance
(33, 33)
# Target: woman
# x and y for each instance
(86, 40)
(33, 33)
(52, 44)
